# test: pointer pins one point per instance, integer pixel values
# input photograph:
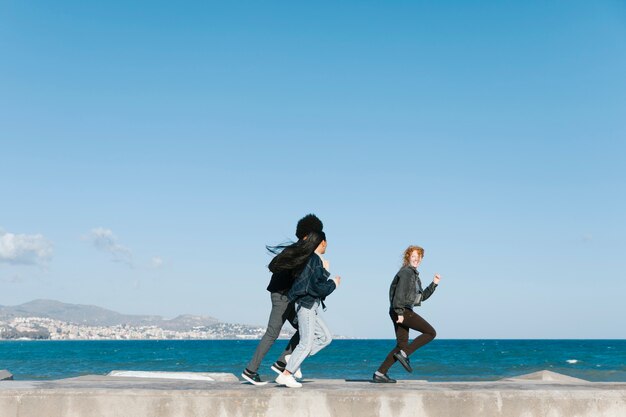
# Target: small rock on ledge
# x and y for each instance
(5, 375)
(546, 376)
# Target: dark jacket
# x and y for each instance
(406, 290)
(281, 281)
(312, 283)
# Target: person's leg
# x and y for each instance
(306, 323)
(322, 336)
(274, 325)
(402, 340)
(416, 322)
(290, 315)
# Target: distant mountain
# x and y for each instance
(98, 316)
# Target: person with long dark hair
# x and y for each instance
(282, 309)
(405, 293)
(309, 290)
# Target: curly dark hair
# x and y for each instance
(307, 224)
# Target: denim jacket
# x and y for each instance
(312, 283)
(406, 290)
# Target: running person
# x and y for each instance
(405, 293)
(282, 310)
(309, 290)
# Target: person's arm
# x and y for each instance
(399, 297)
(321, 286)
(431, 288)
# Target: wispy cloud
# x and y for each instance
(104, 240)
(12, 279)
(22, 249)
(156, 262)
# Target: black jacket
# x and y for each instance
(312, 284)
(406, 290)
(281, 281)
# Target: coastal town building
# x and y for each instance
(44, 328)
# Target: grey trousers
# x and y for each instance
(282, 311)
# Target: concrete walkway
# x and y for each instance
(111, 396)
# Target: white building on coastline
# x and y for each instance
(50, 329)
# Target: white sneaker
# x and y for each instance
(288, 381)
(298, 373)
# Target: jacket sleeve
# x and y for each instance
(402, 290)
(428, 291)
(320, 285)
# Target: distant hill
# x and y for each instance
(98, 316)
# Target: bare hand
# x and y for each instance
(400, 319)
(337, 280)
(437, 279)
(326, 264)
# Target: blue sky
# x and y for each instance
(149, 151)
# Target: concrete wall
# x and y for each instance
(116, 397)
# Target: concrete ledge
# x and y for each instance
(118, 396)
(196, 376)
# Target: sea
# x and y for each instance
(441, 360)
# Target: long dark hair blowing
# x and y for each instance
(293, 257)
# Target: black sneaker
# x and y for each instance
(278, 367)
(252, 377)
(383, 379)
(404, 361)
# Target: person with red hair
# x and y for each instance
(405, 293)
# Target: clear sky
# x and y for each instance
(150, 150)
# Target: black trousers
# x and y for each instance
(413, 321)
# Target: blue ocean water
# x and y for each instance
(441, 360)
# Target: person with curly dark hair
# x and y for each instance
(311, 287)
(282, 309)
(406, 292)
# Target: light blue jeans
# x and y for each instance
(314, 336)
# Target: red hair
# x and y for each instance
(408, 251)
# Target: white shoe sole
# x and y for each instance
(288, 382)
(252, 381)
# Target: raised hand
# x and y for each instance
(326, 264)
